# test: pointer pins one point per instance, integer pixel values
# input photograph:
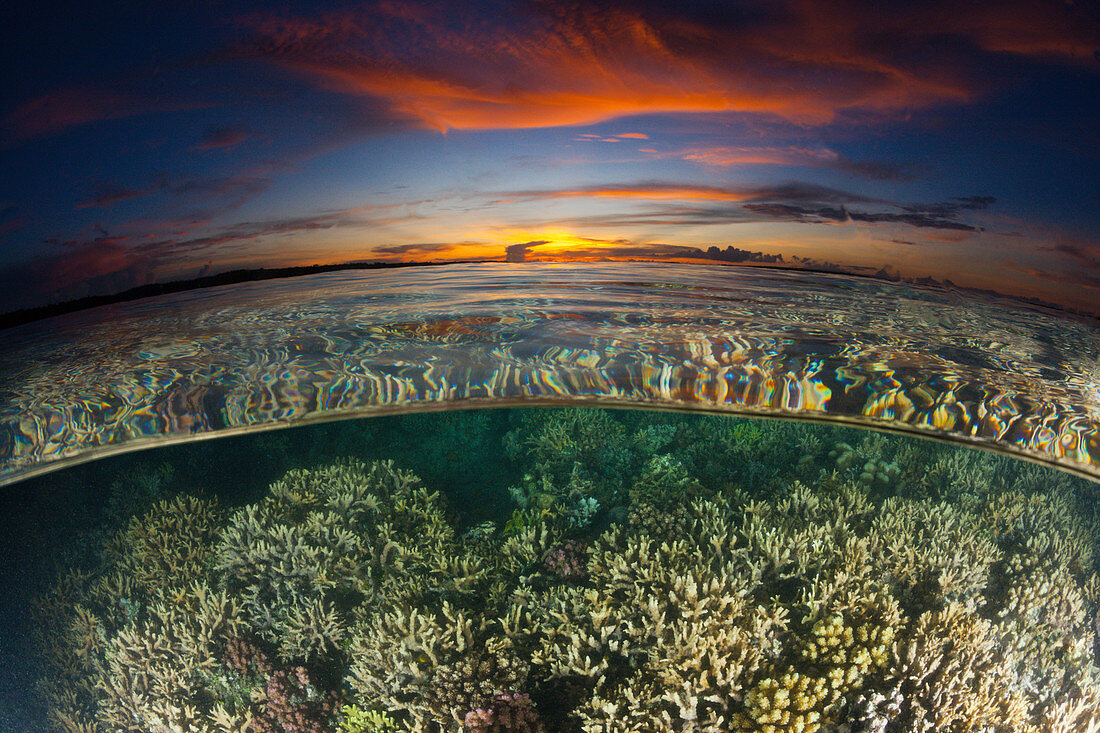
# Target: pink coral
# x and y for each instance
(567, 560)
(509, 712)
(291, 703)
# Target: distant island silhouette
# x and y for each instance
(23, 316)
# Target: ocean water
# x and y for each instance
(674, 499)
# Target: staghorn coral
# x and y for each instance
(154, 671)
(845, 560)
(126, 643)
(354, 719)
(934, 552)
(434, 666)
(666, 632)
(951, 677)
(808, 685)
(327, 541)
(663, 481)
(344, 600)
(558, 445)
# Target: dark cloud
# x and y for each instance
(794, 201)
(874, 170)
(227, 192)
(11, 218)
(1082, 252)
(240, 186)
(674, 191)
(722, 155)
(841, 214)
(953, 207)
(62, 109)
(519, 252)
(104, 263)
(625, 248)
(223, 137)
(108, 195)
(735, 254)
(417, 248)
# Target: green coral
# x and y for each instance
(354, 719)
(663, 481)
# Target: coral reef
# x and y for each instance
(508, 712)
(641, 579)
(567, 560)
(354, 719)
(289, 702)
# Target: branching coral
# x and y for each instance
(327, 541)
(435, 666)
(664, 481)
(667, 626)
(345, 600)
(508, 712)
(952, 678)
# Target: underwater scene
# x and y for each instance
(550, 366)
(553, 569)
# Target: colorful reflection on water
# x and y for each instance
(757, 341)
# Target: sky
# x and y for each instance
(147, 142)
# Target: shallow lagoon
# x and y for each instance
(561, 569)
(532, 567)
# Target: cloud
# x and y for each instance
(841, 214)
(62, 109)
(736, 254)
(793, 202)
(417, 248)
(952, 207)
(105, 262)
(11, 217)
(239, 187)
(551, 63)
(223, 137)
(109, 194)
(724, 155)
(588, 248)
(1083, 254)
(1061, 31)
(673, 191)
(229, 192)
(519, 252)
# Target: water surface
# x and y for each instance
(760, 341)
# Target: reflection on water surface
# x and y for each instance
(939, 362)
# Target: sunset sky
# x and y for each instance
(144, 142)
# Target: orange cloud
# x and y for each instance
(1027, 28)
(568, 65)
(555, 63)
(662, 191)
(727, 155)
(658, 192)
